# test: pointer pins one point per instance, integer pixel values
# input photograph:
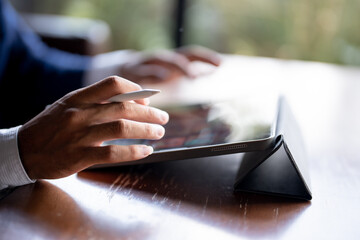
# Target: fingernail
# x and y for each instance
(160, 131)
(147, 150)
(164, 116)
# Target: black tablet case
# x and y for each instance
(281, 170)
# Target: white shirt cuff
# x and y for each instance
(106, 64)
(12, 172)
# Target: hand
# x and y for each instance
(67, 137)
(167, 65)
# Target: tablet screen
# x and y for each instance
(212, 123)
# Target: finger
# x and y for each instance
(144, 101)
(105, 89)
(201, 54)
(207, 58)
(117, 153)
(172, 61)
(123, 128)
(100, 113)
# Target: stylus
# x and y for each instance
(144, 93)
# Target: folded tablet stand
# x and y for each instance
(281, 170)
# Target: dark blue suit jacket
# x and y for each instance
(32, 75)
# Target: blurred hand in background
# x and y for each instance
(166, 65)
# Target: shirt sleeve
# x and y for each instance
(107, 64)
(12, 172)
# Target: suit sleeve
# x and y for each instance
(32, 75)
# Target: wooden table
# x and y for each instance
(194, 199)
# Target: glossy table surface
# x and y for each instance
(194, 199)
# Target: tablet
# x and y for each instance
(211, 128)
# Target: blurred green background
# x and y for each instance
(320, 30)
